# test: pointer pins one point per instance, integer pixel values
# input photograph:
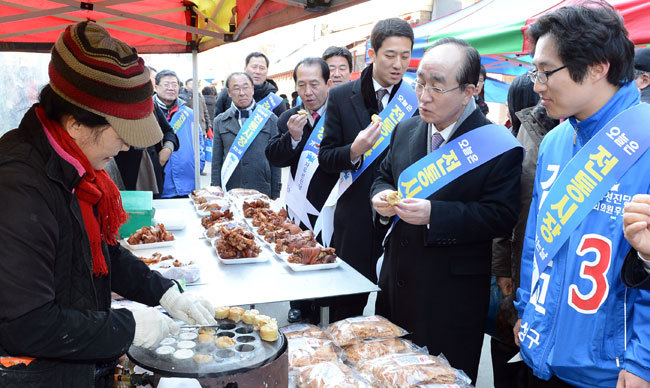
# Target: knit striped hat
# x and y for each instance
(103, 75)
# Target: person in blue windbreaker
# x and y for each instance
(578, 323)
(179, 170)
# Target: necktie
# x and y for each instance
(315, 116)
(380, 96)
(436, 140)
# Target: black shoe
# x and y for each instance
(294, 316)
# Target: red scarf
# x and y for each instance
(94, 189)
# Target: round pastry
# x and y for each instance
(375, 119)
(186, 344)
(168, 341)
(183, 354)
(202, 358)
(207, 330)
(164, 350)
(205, 338)
(269, 332)
(302, 112)
(221, 312)
(224, 342)
(190, 335)
(393, 198)
(260, 320)
(235, 314)
(249, 316)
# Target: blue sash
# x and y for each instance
(400, 108)
(463, 154)
(245, 137)
(179, 170)
(587, 178)
(296, 198)
(271, 101)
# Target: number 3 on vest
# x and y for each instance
(594, 271)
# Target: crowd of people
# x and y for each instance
(414, 187)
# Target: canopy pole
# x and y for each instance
(196, 107)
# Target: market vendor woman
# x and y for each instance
(59, 214)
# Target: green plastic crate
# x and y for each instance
(139, 205)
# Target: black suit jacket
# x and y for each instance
(349, 109)
(435, 280)
(280, 154)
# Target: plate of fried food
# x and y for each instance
(238, 246)
(313, 259)
(149, 237)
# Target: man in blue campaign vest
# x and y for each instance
(241, 134)
(179, 170)
(348, 137)
(435, 277)
(579, 325)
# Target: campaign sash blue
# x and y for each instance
(271, 101)
(457, 157)
(179, 170)
(401, 107)
(296, 198)
(587, 177)
(245, 137)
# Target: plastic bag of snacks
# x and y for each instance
(404, 370)
(352, 330)
(303, 330)
(308, 351)
(370, 349)
(331, 374)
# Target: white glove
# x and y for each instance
(187, 307)
(151, 326)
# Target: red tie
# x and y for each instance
(315, 115)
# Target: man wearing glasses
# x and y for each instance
(435, 278)
(579, 325)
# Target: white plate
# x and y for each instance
(148, 246)
(261, 258)
(311, 267)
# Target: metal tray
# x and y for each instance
(249, 352)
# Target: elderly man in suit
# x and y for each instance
(253, 170)
(435, 278)
(349, 109)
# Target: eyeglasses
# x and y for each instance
(237, 89)
(542, 76)
(167, 85)
(430, 89)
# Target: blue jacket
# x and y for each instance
(588, 348)
(179, 170)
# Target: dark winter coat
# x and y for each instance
(52, 308)
(253, 171)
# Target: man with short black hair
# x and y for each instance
(339, 61)
(579, 325)
(296, 146)
(347, 138)
(257, 66)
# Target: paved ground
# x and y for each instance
(279, 311)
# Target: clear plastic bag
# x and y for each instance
(351, 330)
(305, 351)
(371, 349)
(303, 330)
(404, 370)
(330, 374)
